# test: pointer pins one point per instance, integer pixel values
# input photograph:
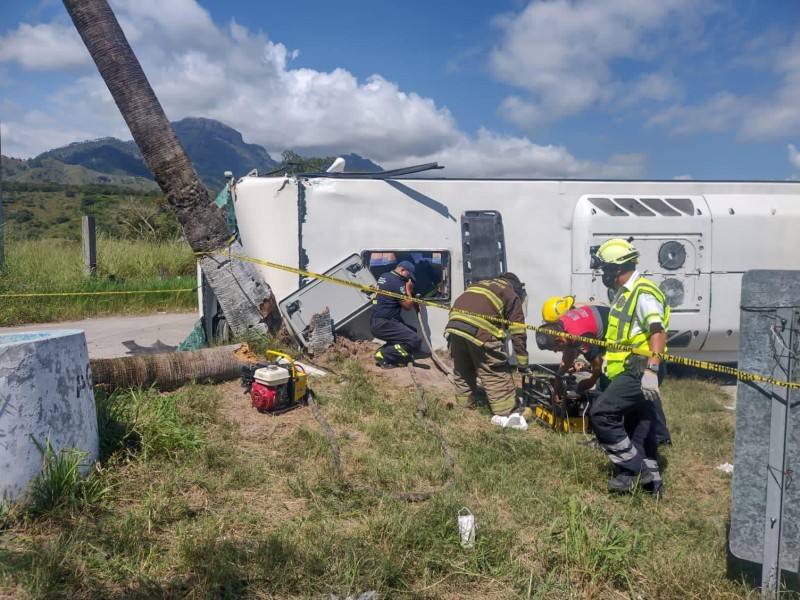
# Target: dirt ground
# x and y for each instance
(254, 426)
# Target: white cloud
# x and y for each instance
(44, 47)
(493, 155)
(246, 80)
(779, 115)
(560, 53)
(794, 156)
(650, 87)
(775, 114)
(28, 132)
(719, 114)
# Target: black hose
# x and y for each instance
(436, 360)
(420, 414)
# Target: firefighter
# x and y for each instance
(622, 415)
(477, 344)
(587, 321)
(400, 340)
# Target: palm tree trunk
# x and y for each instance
(244, 296)
(168, 371)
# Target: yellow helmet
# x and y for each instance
(556, 306)
(614, 252)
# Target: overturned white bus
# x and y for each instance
(696, 239)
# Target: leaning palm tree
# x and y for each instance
(244, 296)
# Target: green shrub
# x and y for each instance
(60, 484)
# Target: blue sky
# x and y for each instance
(656, 89)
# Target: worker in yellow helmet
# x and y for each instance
(623, 415)
(555, 307)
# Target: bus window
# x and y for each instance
(432, 269)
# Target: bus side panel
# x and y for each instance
(751, 231)
(267, 217)
(346, 216)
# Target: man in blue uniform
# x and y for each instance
(386, 324)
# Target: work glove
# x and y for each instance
(650, 386)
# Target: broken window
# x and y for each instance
(432, 269)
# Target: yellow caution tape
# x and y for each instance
(706, 366)
(37, 294)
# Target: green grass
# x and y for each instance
(55, 267)
(208, 499)
(60, 487)
(54, 211)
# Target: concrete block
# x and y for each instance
(767, 438)
(45, 391)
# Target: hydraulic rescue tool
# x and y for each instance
(276, 386)
(556, 401)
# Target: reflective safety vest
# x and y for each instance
(620, 321)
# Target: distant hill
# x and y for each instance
(353, 163)
(213, 148)
(105, 155)
(44, 169)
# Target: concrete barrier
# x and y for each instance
(45, 392)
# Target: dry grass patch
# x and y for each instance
(251, 507)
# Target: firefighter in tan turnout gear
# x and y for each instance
(477, 344)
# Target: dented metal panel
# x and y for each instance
(344, 302)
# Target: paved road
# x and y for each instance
(109, 337)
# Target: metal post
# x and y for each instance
(777, 476)
(89, 246)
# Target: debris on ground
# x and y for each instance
(370, 595)
(245, 354)
(725, 468)
(320, 335)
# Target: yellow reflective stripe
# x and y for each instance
(465, 401)
(650, 287)
(522, 360)
(493, 298)
(503, 406)
(517, 329)
(480, 323)
(464, 335)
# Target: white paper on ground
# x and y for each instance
(517, 421)
(499, 420)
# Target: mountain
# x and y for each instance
(44, 169)
(353, 163)
(213, 148)
(105, 155)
